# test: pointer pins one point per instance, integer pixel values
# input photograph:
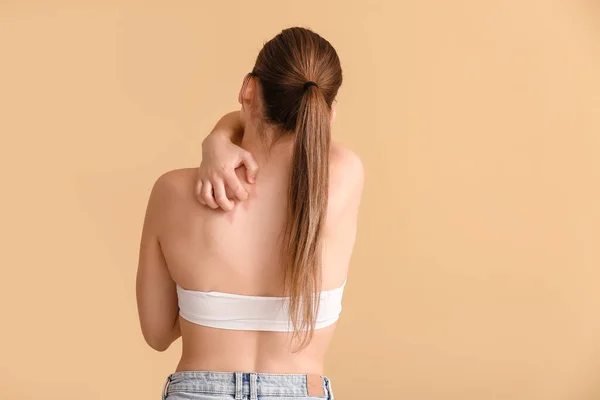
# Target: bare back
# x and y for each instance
(240, 252)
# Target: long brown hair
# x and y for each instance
(283, 68)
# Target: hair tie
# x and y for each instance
(309, 84)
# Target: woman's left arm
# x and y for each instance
(156, 292)
(221, 156)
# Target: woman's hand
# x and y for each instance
(220, 158)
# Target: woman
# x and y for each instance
(255, 292)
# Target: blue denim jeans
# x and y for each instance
(202, 385)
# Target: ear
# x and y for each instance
(247, 90)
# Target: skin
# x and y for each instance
(206, 249)
(218, 185)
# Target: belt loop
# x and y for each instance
(253, 386)
(166, 387)
(328, 386)
(238, 386)
(315, 386)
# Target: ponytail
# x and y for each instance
(300, 74)
(307, 209)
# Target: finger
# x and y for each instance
(198, 192)
(235, 185)
(251, 167)
(221, 196)
(207, 195)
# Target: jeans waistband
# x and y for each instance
(252, 385)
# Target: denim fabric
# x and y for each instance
(203, 385)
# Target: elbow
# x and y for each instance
(159, 335)
(159, 346)
(157, 342)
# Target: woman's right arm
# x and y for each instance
(221, 156)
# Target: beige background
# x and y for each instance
(475, 273)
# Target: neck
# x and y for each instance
(268, 143)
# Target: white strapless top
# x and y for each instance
(252, 313)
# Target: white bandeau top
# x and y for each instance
(252, 313)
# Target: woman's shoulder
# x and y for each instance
(345, 168)
(342, 155)
(346, 176)
(173, 189)
(176, 182)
